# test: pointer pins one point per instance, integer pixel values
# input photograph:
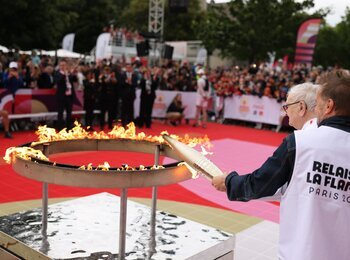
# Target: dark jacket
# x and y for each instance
(45, 81)
(60, 81)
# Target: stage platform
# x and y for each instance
(88, 228)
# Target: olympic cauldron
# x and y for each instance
(39, 168)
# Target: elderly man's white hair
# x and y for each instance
(306, 92)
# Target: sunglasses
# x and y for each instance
(285, 107)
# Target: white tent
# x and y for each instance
(63, 54)
(3, 49)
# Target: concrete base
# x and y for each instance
(88, 228)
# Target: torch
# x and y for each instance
(194, 158)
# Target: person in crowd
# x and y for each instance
(4, 115)
(174, 113)
(185, 77)
(108, 97)
(149, 84)
(202, 98)
(32, 74)
(13, 81)
(315, 166)
(90, 97)
(65, 94)
(1, 75)
(46, 79)
(128, 94)
(35, 58)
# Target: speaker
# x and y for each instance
(178, 6)
(168, 52)
(142, 49)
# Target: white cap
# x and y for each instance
(200, 71)
(13, 65)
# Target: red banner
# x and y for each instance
(31, 101)
(306, 41)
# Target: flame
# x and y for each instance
(46, 134)
(25, 153)
(103, 167)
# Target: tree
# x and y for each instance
(332, 48)
(42, 24)
(177, 26)
(93, 17)
(135, 16)
(327, 47)
(180, 26)
(249, 29)
(31, 24)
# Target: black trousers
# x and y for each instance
(146, 108)
(64, 104)
(108, 104)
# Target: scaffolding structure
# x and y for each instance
(156, 17)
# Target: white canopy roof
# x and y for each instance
(3, 49)
(63, 53)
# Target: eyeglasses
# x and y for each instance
(285, 107)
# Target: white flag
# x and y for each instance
(102, 45)
(68, 42)
(201, 56)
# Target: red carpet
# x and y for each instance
(16, 188)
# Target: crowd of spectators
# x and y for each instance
(37, 72)
(121, 36)
(261, 80)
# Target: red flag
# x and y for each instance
(306, 41)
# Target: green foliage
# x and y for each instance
(180, 26)
(93, 17)
(135, 16)
(245, 29)
(177, 26)
(34, 23)
(249, 29)
(333, 43)
(29, 24)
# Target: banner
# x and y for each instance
(32, 101)
(201, 56)
(254, 109)
(306, 41)
(102, 46)
(246, 107)
(68, 42)
(163, 100)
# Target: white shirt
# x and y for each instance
(311, 124)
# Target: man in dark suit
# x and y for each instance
(65, 94)
(129, 83)
(149, 84)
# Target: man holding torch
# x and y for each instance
(314, 164)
